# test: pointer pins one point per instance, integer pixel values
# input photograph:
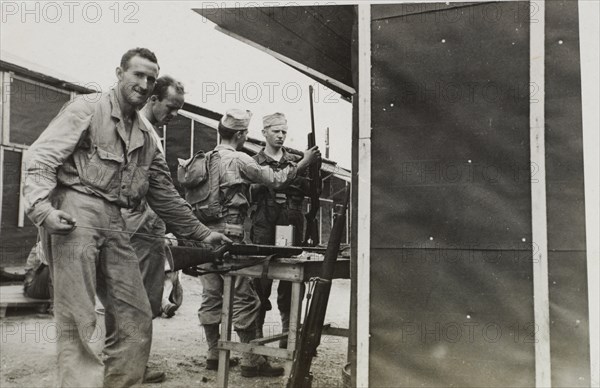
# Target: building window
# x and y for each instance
(32, 107)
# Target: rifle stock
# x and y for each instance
(310, 335)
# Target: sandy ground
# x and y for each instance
(27, 346)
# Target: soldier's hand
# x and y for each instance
(311, 156)
(59, 222)
(216, 238)
(171, 240)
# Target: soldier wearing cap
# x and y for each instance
(274, 207)
(237, 171)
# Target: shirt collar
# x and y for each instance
(224, 147)
(114, 105)
(136, 139)
(116, 111)
(263, 157)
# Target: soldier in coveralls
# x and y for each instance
(162, 106)
(95, 158)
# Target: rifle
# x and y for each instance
(310, 335)
(188, 257)
(311, 237)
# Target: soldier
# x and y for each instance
(237, 171)
(152, 253)
(162, 106)
(95, 158)
(276, 207)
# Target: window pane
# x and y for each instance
(32, 107)
(15, 242)
(178, 144)
(205, 137)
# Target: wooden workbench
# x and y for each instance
(296, 271)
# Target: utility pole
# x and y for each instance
(327, 143)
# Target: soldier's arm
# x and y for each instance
(164, 199)
(253, 172)
(48, 152)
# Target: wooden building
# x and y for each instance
(471, 265)
(31, 99)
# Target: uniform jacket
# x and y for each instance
(294, 191)
(85, 147)
(239, 170)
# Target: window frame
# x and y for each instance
(6, 78)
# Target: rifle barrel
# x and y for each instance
(311, 236)
(263, 250)
(312, 117)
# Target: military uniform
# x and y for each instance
(272, 208)
(152, 252)
(85, 164)
(237, 171)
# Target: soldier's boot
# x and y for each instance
(212, 356)
(153, 376)
(254, 365)
(212, 340)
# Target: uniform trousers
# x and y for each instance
(265, 220)
(246, 304)
(89, 261)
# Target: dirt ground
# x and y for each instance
(28, 358)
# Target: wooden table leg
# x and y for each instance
(295, 314)
(226, 315)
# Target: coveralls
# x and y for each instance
(237, 171)
(85, 164)
(276, 207)
(152, 252)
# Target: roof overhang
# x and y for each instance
(315, 40)
(36, 72)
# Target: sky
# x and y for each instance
(82, 42)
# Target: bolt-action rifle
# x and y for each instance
(311, 237)
(185, 258)
(310, 334)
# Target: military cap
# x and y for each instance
(275, 121)
(236, 119)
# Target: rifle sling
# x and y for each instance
(251, 263)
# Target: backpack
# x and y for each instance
(199, 176)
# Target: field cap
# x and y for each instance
(275, 121)
(236, 119)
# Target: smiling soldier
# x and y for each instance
(95, 158)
